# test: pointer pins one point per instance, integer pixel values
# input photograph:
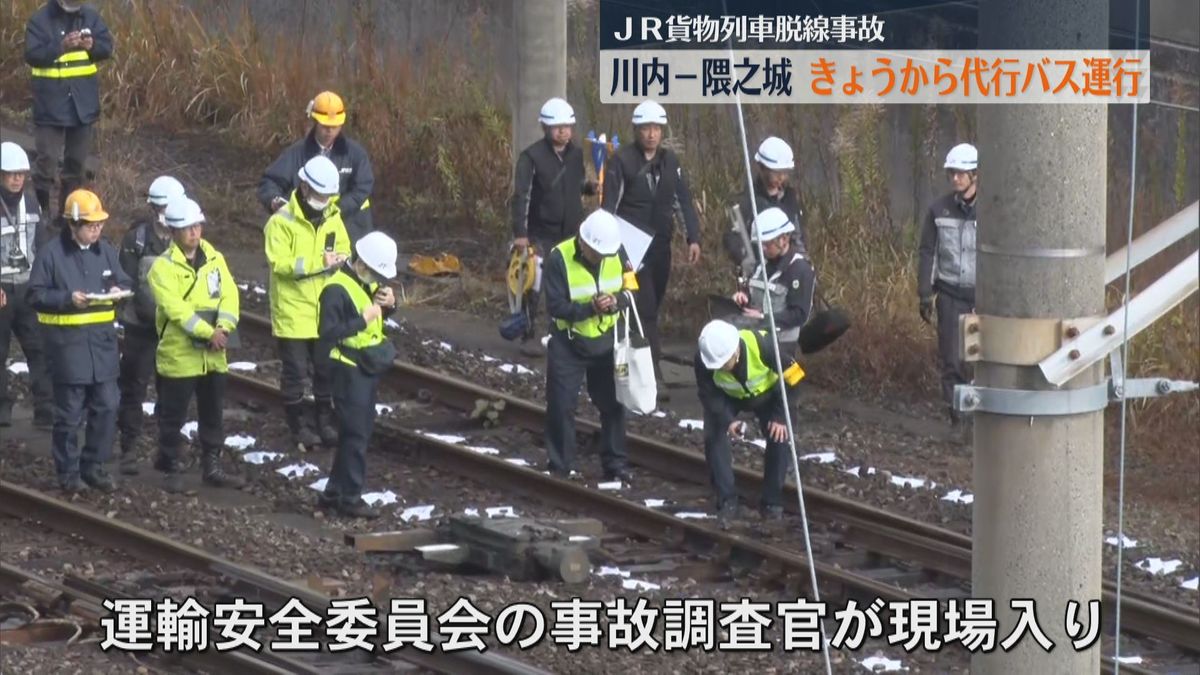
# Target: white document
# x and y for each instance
(108, 297)
(635, 242)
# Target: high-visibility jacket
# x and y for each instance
(369, 336)
(295, 251)
(191, 304)
(760, 376)
(66, 88)
(583, 286)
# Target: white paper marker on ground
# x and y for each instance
(1192, 584)
(239, 442)
(189, 429)
(959, 497)
(298, 470)
(243, 366)
(423, 512)
(692, 425)
(380, 498)
(445, 438)
(501, 512)
(1157, 566)
(260, 457)
(882, 664)
(820, 457)
(18, 367)
(319, 484)
(1129, 543)
(652, 503)
(148, 407)
(611, 485)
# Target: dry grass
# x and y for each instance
(439, 151)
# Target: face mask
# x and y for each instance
(70, 7)
(317, 204)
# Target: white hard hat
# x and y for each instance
(556, 112)
(164, 190)
(601, 232)
(182, 212)
(649, 112)
(719, 341)
(378, 251)
(772, 223)
(321, 175)
(963, 157)
(13, 158)
(775, 154)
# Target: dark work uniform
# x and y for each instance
(547, 202)
(946, 266)
(720, 410)
(788, 201)
(354, 168)
(647, 193)
(21, 233)
(791, 282)
(140, 246)
(66, 94)
(354, 391)
(569, 359)
(83, 348)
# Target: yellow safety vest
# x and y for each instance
(368, 337)
(583, 287)
(759, 377)
(191, 305)
(71, 64)
(295, 251)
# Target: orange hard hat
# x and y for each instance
(84, 205)
(328, 109)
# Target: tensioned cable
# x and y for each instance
(1125, 355)
(787, 412)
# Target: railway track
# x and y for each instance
(246, 582)
(873, 554)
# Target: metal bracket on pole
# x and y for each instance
(1055, 402)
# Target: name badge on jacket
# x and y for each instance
(214, 284)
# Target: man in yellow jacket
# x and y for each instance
(197, 310)
(306, 242)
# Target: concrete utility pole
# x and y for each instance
(1038, 479)
(541, 46)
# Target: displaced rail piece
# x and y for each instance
(936, 549)
(21, 502)
(1153, 619)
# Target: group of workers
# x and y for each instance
(62, 293)
(328, 295)
(588, 281)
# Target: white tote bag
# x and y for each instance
(634, 367)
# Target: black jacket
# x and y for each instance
(648, 192)
(139, 247)
(726, 408)
(82, 354)
(547, 198)
(354, 167)
(789, 201)
(70, 101)
(560, 306)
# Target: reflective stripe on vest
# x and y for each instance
(78, 319)
(759, 377)
(777, 292)
(368, 337)
(72, 64)
(583, 287)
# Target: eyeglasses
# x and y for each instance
(91, 226)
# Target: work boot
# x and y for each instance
(98, 479)
(5, 414)
(326, 425)
(129, 462)
(72, 485)
(358, 509)
(43, 418)
(771, 513)
(212, 473)
(173, 482)
(726, 515)
(301, 433)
